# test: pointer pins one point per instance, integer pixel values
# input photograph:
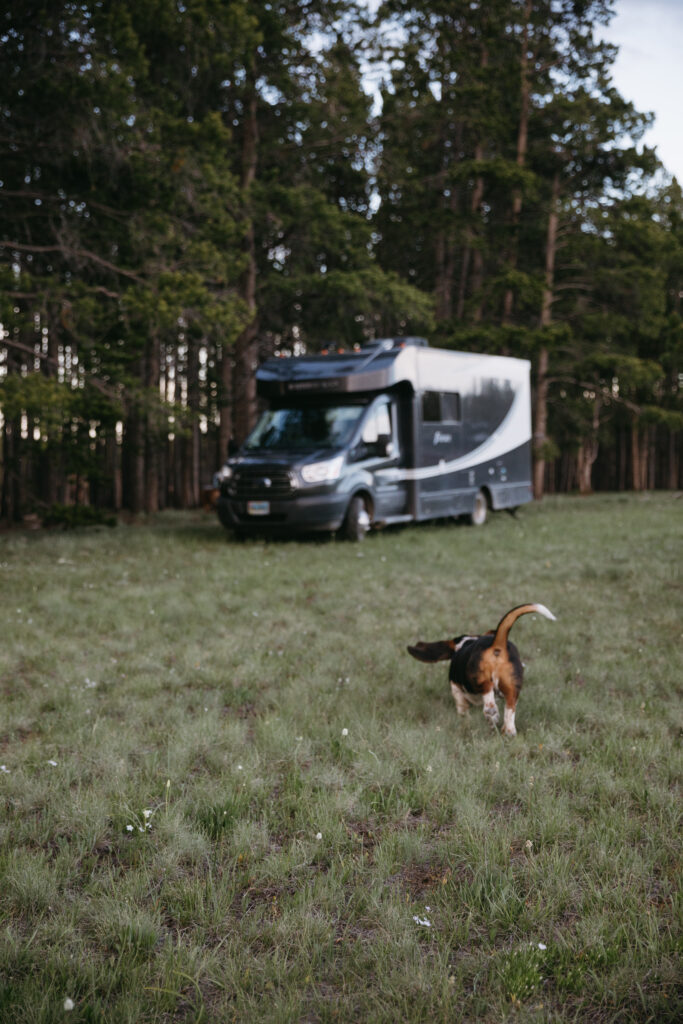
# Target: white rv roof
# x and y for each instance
(436, 368)
(384, 364)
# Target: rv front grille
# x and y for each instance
(249, 482)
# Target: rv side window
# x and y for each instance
(441, 407)
(450, 407)
(431, 407)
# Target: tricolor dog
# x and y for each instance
(484, 666)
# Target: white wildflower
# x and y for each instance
(4, 768)
(318, 835)
(422, 920)
(542, 945)
(345, 732)
(53, 763)
(68, 1004)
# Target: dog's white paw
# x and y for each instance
(509, 723)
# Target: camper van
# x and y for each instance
(395, 432)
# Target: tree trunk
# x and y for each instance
(468, 255)
(445, 245)
(636, 459)
(622, 442)
(540, 421)
(588, 452)
(152, 439)
(245, 382)
(7, 470)
(54, 470)
(440, 244)
(652, 458)
(114, 460)
(133, 453)
(673, 462)
(134, 490)
(541, 417)
(522, 145)
(245, 354)
(190, 441)
(225, 427)
(472, 254)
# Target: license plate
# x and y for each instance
(258, 508)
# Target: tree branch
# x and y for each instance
(599, 390)
(67, 251)
(98, 384)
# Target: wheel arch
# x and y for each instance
(486, 491)
(364, 492)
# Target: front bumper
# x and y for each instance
(299, 514)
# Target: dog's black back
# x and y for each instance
(467, 655)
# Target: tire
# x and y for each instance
(223, 515)
(480, 509)
(357, 521)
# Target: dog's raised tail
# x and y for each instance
(508, 620)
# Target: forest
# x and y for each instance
(189, 186)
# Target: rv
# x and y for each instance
(395, 432)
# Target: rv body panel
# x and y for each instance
(416, 433)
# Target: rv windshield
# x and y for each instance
(305, 428)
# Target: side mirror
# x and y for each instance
(384, 446)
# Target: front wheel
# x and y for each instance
(357, 521)
(477, 516)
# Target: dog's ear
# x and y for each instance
(442, 650)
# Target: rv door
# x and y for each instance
(380, 446)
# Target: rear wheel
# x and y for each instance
(357, 521)
(480, 509)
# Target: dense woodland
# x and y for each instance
(187, 187)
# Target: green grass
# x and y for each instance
(229, 794)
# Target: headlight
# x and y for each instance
(223, 474)
(322, 472)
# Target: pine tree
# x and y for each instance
(115, 216)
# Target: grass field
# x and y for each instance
(229, 794)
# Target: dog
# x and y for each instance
(483, 667)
